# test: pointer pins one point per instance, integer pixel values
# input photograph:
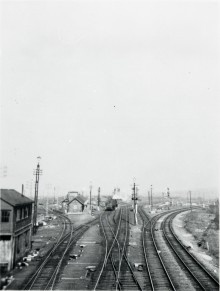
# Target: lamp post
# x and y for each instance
(37, 173)
(190, 199)
(90, 196)
(98, 199)
(151, 194)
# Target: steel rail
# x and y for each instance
(80, 230)
(118, 284)
(107, 251)
(57, 269)
(127, 261)
(145, 254)
(168, 222)
(177, 255)
(71, 236)
(152, 234)
(115, 236)
(59, 241)
(124, 244)
(151, 222)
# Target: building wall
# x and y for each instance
(6, 251)
(6, 237)
(75, 206)
(7, 227)
(22, 233)
(64, 206)
(22, 244)
(15, 235)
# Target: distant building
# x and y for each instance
(16, 226)
(74, 204)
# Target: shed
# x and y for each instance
(76, 205)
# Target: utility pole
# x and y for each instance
(47, 207)
(168, 196)
(57, 202)
(151, 194)
(98, 199)
(90, 196)
(37, 173)
(190, 199)
(149, 198)
(54, 198)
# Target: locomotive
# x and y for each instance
(111, 205)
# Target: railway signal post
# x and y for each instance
(149, 198)
(134, 198)
(151, 195)
(90, 197)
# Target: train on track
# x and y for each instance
(111, 205)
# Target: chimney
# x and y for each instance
(22, 190)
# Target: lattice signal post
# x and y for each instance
(134, 198)
(37, 174)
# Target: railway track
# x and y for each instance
(200, 277)
(159, 278)
(116, 271)
(47, 273)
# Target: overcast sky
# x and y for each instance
(105, 91)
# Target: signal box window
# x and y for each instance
(5, 215)
(26, 212)
(18, 215)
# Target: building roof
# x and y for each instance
(80, 199)
(13, 197)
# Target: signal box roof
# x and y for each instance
(13, 197)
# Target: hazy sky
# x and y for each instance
(105, 91)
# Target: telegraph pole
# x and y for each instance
(98, 199)
(90, 196)
(37, 173)
(47, 207)
(168, 196)
(190, 199)
(54, 198)
(151, 194)
(149, 198)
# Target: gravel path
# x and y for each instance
(135, 251)
(76, 275)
